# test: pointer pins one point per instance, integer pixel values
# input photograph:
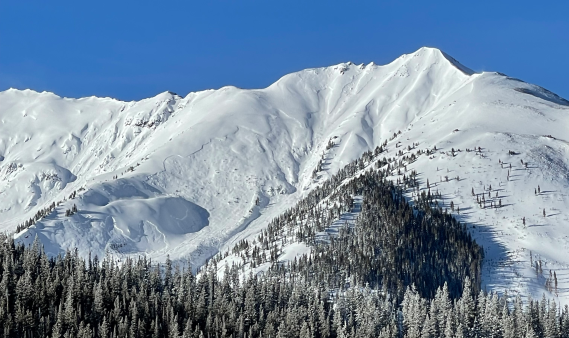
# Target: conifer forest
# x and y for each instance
(404, 268)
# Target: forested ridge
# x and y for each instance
(392, 245)
(404, 269)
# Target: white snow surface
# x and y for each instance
(190, 168)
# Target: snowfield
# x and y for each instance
(181, 176)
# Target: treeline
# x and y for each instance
(44, 212)
(38, 216)
(68, 296)
(392, 244)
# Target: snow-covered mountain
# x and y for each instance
(190, 176)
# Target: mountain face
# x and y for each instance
(190, 176)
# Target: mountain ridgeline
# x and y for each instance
(191, 176)
(413, 199)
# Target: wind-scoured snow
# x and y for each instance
(181, 176)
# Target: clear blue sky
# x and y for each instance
(136, 49)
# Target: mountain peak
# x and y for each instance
(435, 55)
(189, 177)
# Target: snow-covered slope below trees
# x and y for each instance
(189, 176)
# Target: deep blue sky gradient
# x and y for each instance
(136, 49)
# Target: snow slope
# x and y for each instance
(190, 169)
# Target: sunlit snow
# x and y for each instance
(190, 169)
